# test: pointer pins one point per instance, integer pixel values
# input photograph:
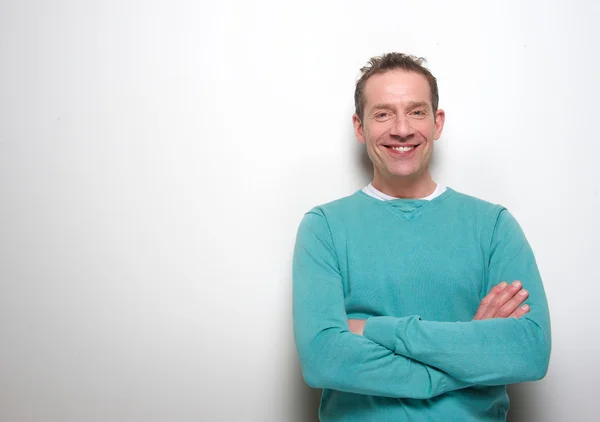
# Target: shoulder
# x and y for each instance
(494, 220)
(483, 216)
(338, 215)
(341, 206)
(475, 206)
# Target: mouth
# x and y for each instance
(401, 150)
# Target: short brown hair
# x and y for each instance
(386, 63)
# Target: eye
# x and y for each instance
(419, 112)
(382, 115)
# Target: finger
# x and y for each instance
(522, 310)
(487, 300)
(501, 299)
(512, 305)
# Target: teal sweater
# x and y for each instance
(417, 271)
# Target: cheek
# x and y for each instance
(375, 133)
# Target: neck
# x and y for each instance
(401, 187)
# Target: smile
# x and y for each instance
(403, 149)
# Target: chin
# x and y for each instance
(404, 173)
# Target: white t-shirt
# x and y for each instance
(371, 191)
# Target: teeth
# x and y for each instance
(402, 149)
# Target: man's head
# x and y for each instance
(397, 117)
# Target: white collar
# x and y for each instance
(371, 191)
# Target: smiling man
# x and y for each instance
(402, 310)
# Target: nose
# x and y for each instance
(401, 127)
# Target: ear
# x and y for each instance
(440, 118)
(358, 129)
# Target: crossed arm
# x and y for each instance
(490, 353)
(408, 357)
(503, 301)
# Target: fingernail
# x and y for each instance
(517, 284)
(502, 285)
(523, 292)
(525, 307)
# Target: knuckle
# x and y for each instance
(503, 313)
(498, 302)
(516, 285)
(520, 312)
(501, 286)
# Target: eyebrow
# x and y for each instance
(411, 104)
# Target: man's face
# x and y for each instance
(399, 126)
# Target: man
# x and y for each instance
(401, 309)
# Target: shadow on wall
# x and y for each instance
(365, 166)
(523, 403)
(306, 400)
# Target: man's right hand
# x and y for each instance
(503, 301)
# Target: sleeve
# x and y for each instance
(330, 355)
(488, 352)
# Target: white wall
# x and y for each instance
(156, 158)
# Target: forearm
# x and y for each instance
(339, 360)
(490, 352)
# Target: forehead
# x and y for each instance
(396, 86)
